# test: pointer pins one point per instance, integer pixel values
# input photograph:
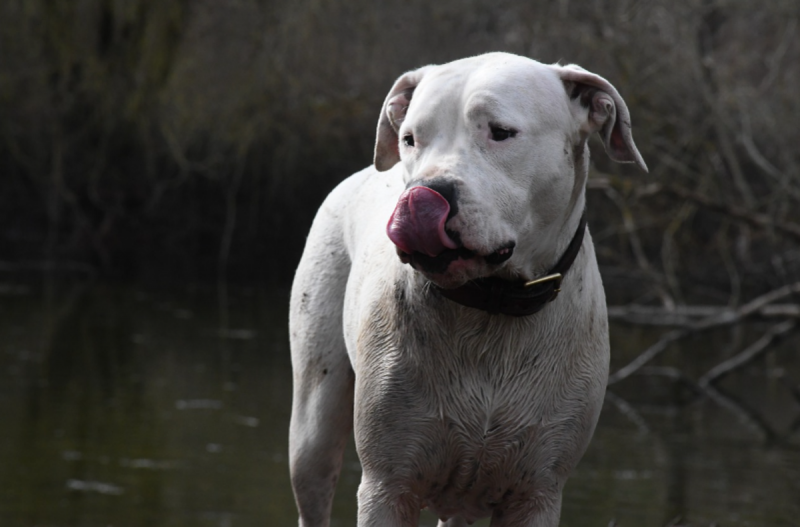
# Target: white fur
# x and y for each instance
(469, 414)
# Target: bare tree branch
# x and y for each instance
(722, 318)
(647, 355)
(755, 219)
(628, 411)
(749, 354)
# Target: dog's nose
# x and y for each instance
(447, 189)
(417, 223)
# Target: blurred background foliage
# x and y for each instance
(195, 139)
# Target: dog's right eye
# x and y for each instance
(501, 134)
(408, 140)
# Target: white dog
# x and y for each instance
(424, 311)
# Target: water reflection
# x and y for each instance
(127, 406)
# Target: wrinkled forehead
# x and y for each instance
(510, 88)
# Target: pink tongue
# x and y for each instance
(417, 223)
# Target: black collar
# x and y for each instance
(515, 298)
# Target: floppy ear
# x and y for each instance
(387, 152)
(608, 113)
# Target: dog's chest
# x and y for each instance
(478, 425)
(484, 464)
(485, 412)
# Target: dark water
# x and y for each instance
(121, 406)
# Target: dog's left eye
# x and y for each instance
(501, 134)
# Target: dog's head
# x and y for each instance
(493, 153)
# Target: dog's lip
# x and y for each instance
(441, 261)
(450, 254)
(501, 254)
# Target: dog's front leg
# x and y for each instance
(322, 418)
(381, 505)
(322, 405)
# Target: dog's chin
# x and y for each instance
(452, 268)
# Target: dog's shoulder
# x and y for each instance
(360, 206)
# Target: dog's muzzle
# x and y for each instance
(417, 228)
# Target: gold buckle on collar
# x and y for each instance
(556, 277)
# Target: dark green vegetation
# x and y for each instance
(197, 138)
